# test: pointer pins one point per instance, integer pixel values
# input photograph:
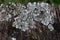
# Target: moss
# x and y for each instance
(30, 36)
(26, 1)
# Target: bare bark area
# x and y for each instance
(3, 30)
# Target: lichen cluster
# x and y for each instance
(25, 16)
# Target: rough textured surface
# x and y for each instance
(18, 13)
(24, 16)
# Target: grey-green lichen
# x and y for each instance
(25, 16)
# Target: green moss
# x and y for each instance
(2, 1)
(56, 2)
(30, 36)
(25, 1)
